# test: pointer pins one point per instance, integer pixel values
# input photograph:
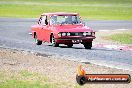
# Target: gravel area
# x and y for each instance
(58, 70)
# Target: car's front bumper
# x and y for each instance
(74, 40)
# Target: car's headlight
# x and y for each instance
(68, 34)
(86, 33)
(63, 34)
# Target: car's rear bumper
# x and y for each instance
(74, 40)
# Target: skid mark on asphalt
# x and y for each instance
(115, 47)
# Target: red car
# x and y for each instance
(62, 28)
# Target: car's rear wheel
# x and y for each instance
(54, 43)
(88, 45)
(69, 45)
(38, 42)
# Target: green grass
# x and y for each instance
(125, 38)
(24, 84)
(26, 73)
(25, 79)
(90, 9)
(78, 1)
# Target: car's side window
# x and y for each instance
(43, 20)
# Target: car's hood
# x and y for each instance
(72, 28)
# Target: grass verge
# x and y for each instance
(25, 79)
(91, 9)
(124, 38)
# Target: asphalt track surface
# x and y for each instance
(14, 34)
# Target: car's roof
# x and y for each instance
(60, 13)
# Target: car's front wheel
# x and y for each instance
(54, 43)
(38, 42)
(88, 45)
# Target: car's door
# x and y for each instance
(45, 31)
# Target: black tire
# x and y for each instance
(54, 44)
(88, 45)
(69, 45)
(81, 80)
(38, 42)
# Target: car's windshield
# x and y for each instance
(65, 19)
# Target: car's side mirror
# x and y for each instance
(46, 22)
(38, 22)
(83, 22)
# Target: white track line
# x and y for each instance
(121, 29)
(30, 33)
(116, 47)
(113, 30)
(104, 30)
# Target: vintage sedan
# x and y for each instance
(62, 28)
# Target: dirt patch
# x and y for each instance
(59, 71)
